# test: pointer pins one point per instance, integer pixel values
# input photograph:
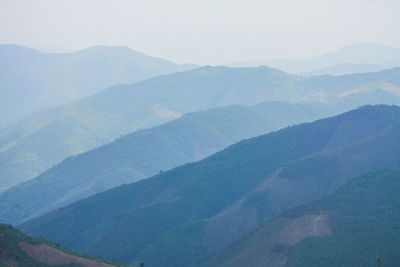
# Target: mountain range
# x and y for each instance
(349, 68)
(33, 145)
(355, 58)
(144, 153)
(31, 81)
(42, 140)
(186, 216)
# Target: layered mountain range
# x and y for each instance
(38, 142)
(123, 156)
(146, 152)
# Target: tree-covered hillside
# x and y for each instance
(352, 227)
(147, 152)
(185, 216)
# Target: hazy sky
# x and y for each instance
(203, 31)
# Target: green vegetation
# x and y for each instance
(363, 219)
(188, 214)
(144, 153)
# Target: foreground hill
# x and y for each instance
(35, 144)
(185, 216)
(17, 249)
(351, 227)
(31, 80)
(144, 153)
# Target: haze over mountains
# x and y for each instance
(185, 216)
(122, 109)
(130, 157)
(355, 58)
(31, 81)
(124, 140)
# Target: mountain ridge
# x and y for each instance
(120, 110)
(143, 153)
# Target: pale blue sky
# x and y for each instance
(204, 31)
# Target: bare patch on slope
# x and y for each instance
(53, 256)
(268, 245)
(304, 227)
(165, 113)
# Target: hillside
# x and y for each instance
(351, 227)
(145, 153)
(120, 110)
(185, 216)
(18, 249)
(31, 81)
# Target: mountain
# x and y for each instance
(185, 216)
(144, 153)
(36, 143)
(358, 57)
(41, 141)
(18, 249)
(31, 81)
(351, 227)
